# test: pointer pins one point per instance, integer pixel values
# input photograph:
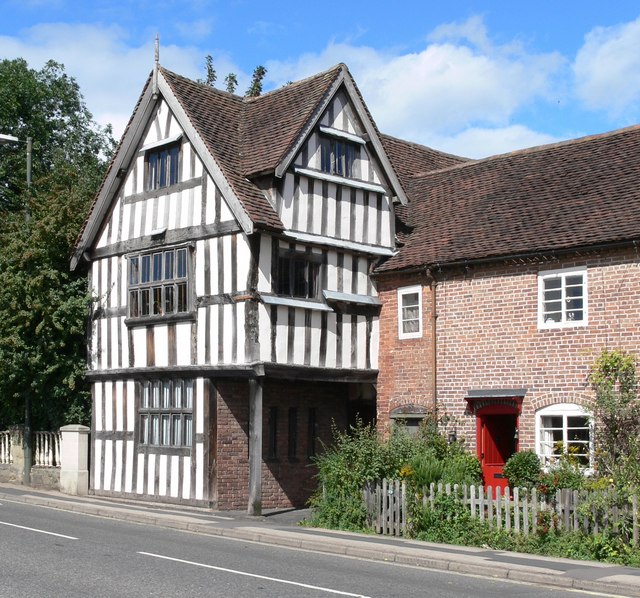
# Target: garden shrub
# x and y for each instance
(523, 469)
(427, 469)
(462, 468)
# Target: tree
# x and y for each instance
(617, 417)
(231, 82)
(255, 89)
(212, 76)
(43, 306)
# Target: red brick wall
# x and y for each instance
(286, 482)
(488, 338)
(405, 366)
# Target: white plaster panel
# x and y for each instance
(183, 340)
(128, 473)
(119, 406)
(108, 464)
(162, 477)
(199, 471)
(98, 405)
(264, 269)
(108, 405)
(299, 336)
(175, 470)
(140, 477)
(117, 478)
(346, 341)
(97, 463)
(186, 478)
(140, 347)
(161, 344)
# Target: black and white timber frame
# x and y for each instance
(238, 326)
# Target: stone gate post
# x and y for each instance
(74, 459)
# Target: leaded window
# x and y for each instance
(159, 282)
(162, 166)
(166, 412)
(338, 156)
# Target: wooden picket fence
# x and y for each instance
(515, 510)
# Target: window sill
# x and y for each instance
(562, 325)
(147, 320)
(294, 302)
(153, 449)
(340, 180)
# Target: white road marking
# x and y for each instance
(255, 575)
(40, 531)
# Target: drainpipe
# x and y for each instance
(434, 342)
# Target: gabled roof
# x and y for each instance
(412, 159)
(564, 196)
(238, 139)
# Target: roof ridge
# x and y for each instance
(535, 149)
(204, 86)
(338, 67)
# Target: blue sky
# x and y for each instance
(468, 77)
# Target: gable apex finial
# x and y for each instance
(156, 62)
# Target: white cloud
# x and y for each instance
(477, 142)
(458, 81)
(607, 70)
(110, 72)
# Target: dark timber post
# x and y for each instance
(255, 446)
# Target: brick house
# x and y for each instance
(514, 272)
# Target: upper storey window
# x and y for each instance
(162, 166)
(410, 312)
(158, 283)
(298, 275)
(562, 298)
(338, 156)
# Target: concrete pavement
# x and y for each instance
(281, 528)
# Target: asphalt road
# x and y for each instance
(47, 552)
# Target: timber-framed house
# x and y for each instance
(230, 249)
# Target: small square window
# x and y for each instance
(562, 298)
(410, 312)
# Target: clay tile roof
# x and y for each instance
(568, 195)
(216, 115)
(273, 122)
(412, 159)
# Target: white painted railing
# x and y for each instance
(46, 449)
(5, 448)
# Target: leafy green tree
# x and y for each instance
(617, 417)
(255, 89)
(231, 82)
(44, 306)
(211, 76)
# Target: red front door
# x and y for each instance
(496, 442)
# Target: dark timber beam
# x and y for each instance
(255, 446)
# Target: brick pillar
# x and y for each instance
(74, 458)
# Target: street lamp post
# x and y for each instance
(9, 139)
(26, 442)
